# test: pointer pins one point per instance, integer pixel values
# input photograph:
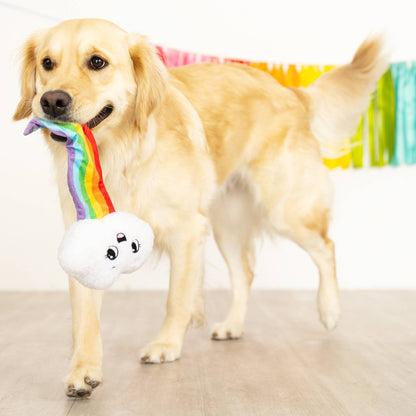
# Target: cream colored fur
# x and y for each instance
(219, 145)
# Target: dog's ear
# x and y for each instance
(151, 77)
(27, 79)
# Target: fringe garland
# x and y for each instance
(386, 134)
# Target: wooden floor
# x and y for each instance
(285, 364)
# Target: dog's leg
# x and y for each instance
(237, 255)
(297, 194)
(321, 250)
(184, 298)
(312, 237)
(322, 253)
(234, 223)
(85, 369)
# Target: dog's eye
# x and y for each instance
(47, 64)
(135, 246)
(112, 252)
(96, 63)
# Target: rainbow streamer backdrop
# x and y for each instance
(85, 179)
(387, 132)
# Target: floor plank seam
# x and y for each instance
(72, 405)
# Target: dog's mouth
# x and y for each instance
(101, 116)
(94, 122)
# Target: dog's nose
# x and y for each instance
(55, 103)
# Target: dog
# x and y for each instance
(207, 146)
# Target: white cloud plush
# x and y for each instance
(97, 251)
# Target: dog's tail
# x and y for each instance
(338, 98)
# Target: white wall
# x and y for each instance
(375, 209)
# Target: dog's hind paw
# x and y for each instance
(226, 331)
(329, 312)
(160, 352)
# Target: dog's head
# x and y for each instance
(89, 71)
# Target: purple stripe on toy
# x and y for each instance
(35, 124)
(79, 206)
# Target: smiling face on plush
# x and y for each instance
(97, 251)
(102, 243)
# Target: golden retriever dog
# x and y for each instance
(209, 146)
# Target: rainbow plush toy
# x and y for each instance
(102, 243)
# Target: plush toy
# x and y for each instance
(102, 243)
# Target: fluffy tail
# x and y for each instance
(339, 97)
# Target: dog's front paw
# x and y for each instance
(160, 352)
(81, 380)
(227, 331)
